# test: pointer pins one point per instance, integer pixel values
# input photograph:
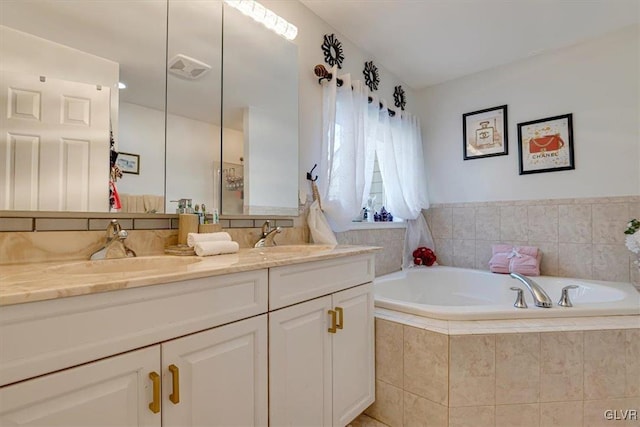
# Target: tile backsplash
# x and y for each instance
(581, 238)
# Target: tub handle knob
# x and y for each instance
(520, 302)
(564, 296)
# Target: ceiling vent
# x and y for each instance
(189, 68)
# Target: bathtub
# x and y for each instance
(450, 293)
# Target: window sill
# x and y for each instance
(377, 225)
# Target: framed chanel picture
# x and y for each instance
(484, 133)
(546, 145)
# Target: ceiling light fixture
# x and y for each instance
(121, 85)
(266, 17)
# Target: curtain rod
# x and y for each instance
(321, 72)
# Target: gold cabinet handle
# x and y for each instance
(175, 375)
(332, 329)
(155, 405)
(340, 312)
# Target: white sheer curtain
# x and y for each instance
(353, 131)
(348, 151)
(401, 160)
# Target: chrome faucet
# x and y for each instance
(540, 297)
(114, 246)
(267, 236)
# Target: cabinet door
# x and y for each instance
(300, 365)
(111, 392)
(353, 354)
(222, 376)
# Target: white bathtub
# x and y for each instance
(461, 294)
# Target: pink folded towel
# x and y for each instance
(518, 259)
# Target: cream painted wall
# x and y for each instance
(311, 30)
(597, 81)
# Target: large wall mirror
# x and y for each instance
(64, 65)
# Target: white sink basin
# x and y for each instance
(124, 265)
(294, 249)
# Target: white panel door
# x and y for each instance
(111, 392)
(220, 376)
(300, 365)
(54, 144)
(353, 354)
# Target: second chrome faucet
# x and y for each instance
(115, 246)
(267, 235)
(540, 297)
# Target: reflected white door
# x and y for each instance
(54, 144)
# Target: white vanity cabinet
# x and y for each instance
(112, 392)
(243, 349)
(321, 351)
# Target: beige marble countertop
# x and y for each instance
(21, 283)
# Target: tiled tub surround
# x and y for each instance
(581, 238)
(505, 373)
(390, 239)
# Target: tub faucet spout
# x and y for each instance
(540, 297)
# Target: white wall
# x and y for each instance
(311, 30)
(597, 81)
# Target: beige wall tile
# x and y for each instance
(426, 362)
(609, 220)
(595, 413)
(574, 224)
(549, 262)
(472, 416)
(388, 407)
(464, 223)
(513, 223)
(611, 262)
(517, 368)
(632, 358)
(444, 251)
(525, 415)
(62, 224)
(389, 352)
(152, 224)
(484, 253)
(472, 374)
(441, 223)
(464, 253)
(604, 364)
(103, 223)
(561, 366)
(419, 412)
(575, 260)
(16, 224)
(543, 223)
(488, 223)
(561, 414)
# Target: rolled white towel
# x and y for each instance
(216, 248)
(194, 238)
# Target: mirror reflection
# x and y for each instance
(260, 119)
(72, 74)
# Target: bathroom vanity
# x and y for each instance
(271, 336)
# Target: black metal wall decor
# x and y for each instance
(399, 97)
(371, 78)
(332, 48)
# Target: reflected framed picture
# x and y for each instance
(546, 145)
(484, 133)
(129, 163)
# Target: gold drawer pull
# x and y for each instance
(332, 328)
(175, 374)
(155, 405)
(340, 312)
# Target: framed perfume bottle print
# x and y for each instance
(484, 133)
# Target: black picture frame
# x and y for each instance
(484, 133)
(129, 163)
(546, 145)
